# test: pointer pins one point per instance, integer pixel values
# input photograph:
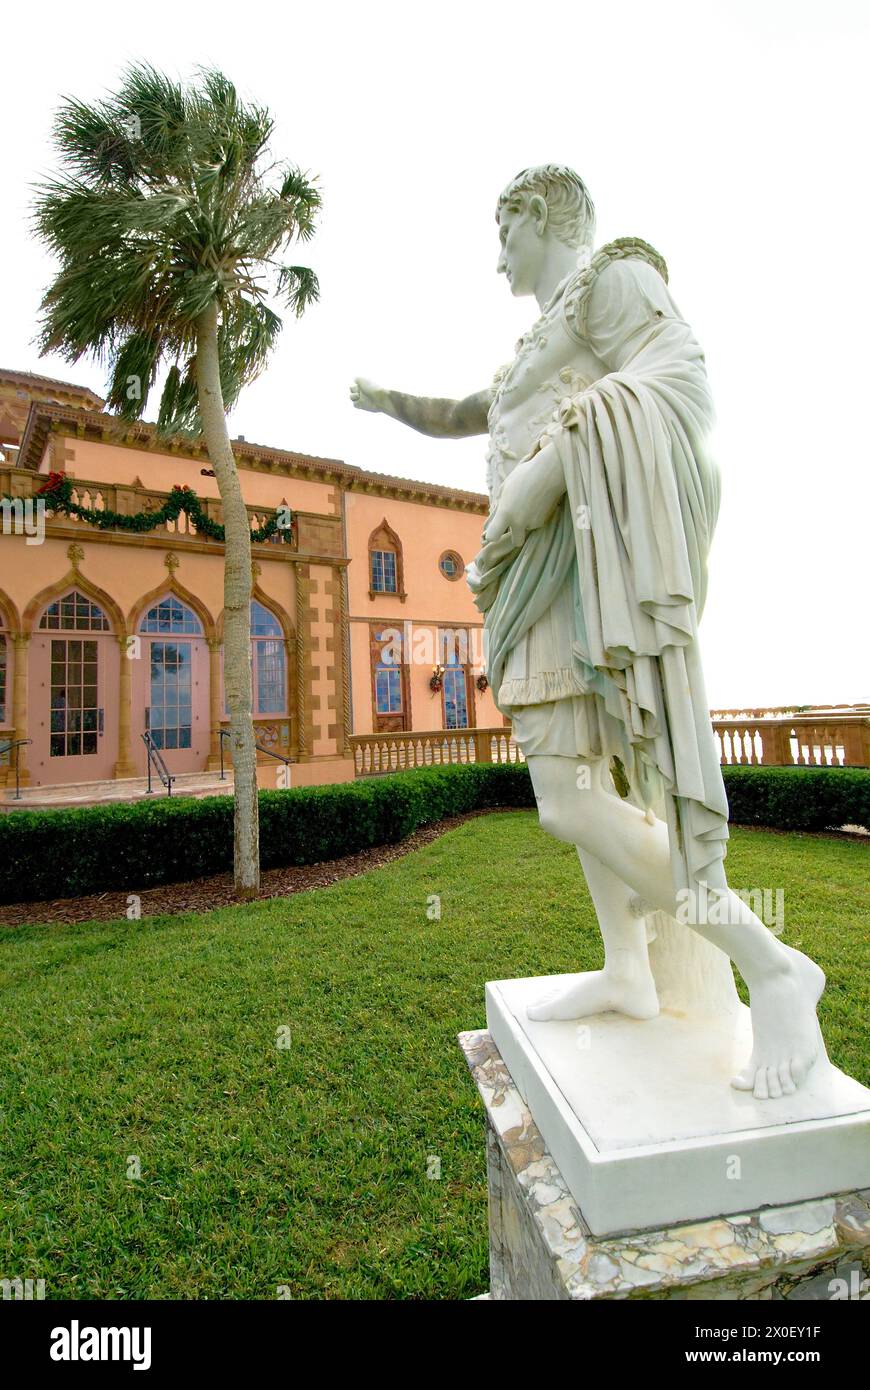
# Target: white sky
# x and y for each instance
(733, 136)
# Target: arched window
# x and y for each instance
(386, 567)
(170, 707)
(74, 613)
(268, 660)
(268, 663)
(172, 616)
(75, 675)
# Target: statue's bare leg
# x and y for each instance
(625, 984)
(784, 985)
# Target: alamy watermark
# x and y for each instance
(703, 907)
(23, 516)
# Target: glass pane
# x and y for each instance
(269, 677)
(89, 743)
(170, 615)
(75, 612)
(263, 623)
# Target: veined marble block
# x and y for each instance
(541, 1245)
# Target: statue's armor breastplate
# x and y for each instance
(550, 364)
(553, 360)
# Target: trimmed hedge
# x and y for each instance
(95, 849)
(798, 798)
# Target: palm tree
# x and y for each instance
(171, 224)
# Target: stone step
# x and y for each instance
(45, 798)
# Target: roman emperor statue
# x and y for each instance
(592, 578)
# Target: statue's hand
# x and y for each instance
(365, 395)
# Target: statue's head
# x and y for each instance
(547, 202)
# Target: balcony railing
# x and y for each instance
(116, 497)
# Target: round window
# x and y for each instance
(451, 565)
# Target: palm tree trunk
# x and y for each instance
(237, 605)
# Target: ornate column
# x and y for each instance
(214, 704)
(301, 573)
(292, 695)
(344, 648)
(125, 767)
(21, 647)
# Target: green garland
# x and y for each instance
(57, 492)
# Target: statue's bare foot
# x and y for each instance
(627, 991)
(785, 1032)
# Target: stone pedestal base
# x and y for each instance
(647, 1130)
(541, 1246)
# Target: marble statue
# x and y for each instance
(592, 580)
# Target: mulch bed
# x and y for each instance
(203, 894)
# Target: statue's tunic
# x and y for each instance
(591, 620)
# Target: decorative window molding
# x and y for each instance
(390, 682)
(170, 615)
(386, 575)
(74, 612)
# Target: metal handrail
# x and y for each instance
(15, 743)
(279, 757)
(163, 772)
(224, 733)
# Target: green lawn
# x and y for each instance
(306, 1165)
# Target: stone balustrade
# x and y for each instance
(805, 740)
(127, 500)
(375, 754)
(815, 739)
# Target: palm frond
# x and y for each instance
(298, 286)
(179, 402)
(134, 369)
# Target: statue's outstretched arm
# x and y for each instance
(443, 419)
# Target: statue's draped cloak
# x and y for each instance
(628, 544)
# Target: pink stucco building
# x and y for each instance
(107, 634)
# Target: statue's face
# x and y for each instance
(522, 249)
